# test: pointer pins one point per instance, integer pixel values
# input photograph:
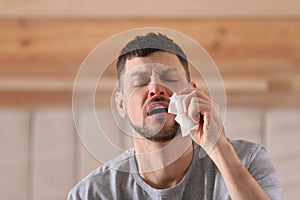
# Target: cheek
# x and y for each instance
(134, 103)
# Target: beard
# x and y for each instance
(160, 134)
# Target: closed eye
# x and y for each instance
(169, 78)
(141, 81)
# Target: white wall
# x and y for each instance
(42, 157)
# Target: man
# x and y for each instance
(163, 164)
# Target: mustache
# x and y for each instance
(156, 99)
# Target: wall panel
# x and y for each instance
(152, 9)
(15, 154)
(53, 149)
(244, 123)
(258, 58)
(282, 132)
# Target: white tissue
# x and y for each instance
(176, 107)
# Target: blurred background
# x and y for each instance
(255, 44)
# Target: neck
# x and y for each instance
(163, 165)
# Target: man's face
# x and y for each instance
(148, 83)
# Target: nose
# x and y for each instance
(157, 90)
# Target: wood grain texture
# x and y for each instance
(152, 9)
(258, 59)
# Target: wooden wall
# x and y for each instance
(258, 59)
(255, 45)
(150, 9)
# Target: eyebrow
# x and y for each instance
(139, 73)
(169, 70)
(143, 73)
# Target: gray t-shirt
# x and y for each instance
(202, 180)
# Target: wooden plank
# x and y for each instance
(14, 153)
(39, 58)
(53, 154)
(106, 85)
(282, 129)
(32, 100)
(153, 9)
(237, 46)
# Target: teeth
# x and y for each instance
(157, 110)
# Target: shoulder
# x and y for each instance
(256, 159)
(102, 182)
(243, 145)
(247, 150)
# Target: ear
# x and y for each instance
(119, 99)
(193, 84)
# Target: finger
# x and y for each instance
(196, 109)
(187, 99)
(202, 94)
(195, 93)
(186, 91)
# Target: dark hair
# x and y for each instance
(143, 46)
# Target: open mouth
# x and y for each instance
(157, 108)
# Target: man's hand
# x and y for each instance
(211, 137)
(199, 107)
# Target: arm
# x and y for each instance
(239, 182)
(211, 137)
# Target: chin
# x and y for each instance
(160, 129)
(165, 134)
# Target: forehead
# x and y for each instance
(159, 57)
